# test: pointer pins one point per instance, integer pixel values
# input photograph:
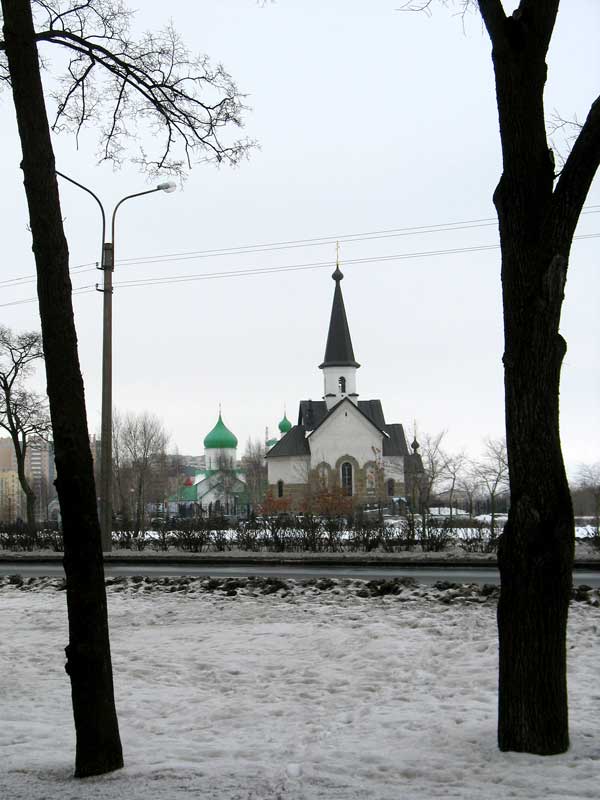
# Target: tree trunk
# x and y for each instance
(98, 747)
(535, 554)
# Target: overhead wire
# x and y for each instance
(445, 227)
(253, 271)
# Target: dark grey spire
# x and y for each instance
(338, 352)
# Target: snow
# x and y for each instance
(301, 694)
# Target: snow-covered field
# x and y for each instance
(299, 694)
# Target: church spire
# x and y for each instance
(338, 351)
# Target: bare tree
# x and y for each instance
(588, 479)
(108, 77)
(492, 471)
(538, 211)
(469, 485)
(434, 461)
(140, 451)
(255, 471)
(23, 413)
(453, 468)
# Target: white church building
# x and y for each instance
(341, 442)
(219, 487)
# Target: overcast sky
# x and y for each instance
(370, 120)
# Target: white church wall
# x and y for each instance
(346, 432)
(293, 469)
(219, 458)
(393, 467)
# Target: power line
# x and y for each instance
(187, 255)
(78, 290)
(445, 227)
(252, 271)
(255, 271)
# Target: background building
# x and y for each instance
(340, 443)
(40, 472)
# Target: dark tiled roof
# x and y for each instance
(338, 352)
(292, 444)
(396, 444)
(373, 410)
(334, 408)
(312, 413)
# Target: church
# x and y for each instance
(341, 443)
(219, 487)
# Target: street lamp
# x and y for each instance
(108, 266)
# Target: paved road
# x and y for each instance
(422, 574)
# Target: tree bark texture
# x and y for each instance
(537, 222)
(98, 746)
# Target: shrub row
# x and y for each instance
(280, 534)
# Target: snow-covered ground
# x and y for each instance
(295, 691)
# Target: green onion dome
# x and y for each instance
(220, 438)
(285, 425)
(271, 442)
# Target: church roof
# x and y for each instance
(334, 408)
(338, 352)
(395, 445)
(312, 413)
(294, 443)
(220, 438)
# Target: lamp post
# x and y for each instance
(107, 266)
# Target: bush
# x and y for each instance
(44, 536)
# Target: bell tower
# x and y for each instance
(339, 365)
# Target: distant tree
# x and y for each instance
(255, 471)
(434, 460)
(140, 442)
(452, 471)
(588, 480)
(492, 472)
(23, 413)
(469, 485)
(115, 85)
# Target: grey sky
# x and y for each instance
(369, 119)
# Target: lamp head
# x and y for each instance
(168, 186)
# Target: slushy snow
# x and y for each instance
(296, 695)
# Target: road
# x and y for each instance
(421, 573)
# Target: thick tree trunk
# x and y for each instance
(536, 549)
(537, 223)
(98, 748)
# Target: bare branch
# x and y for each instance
(125, 88)
(576, 178)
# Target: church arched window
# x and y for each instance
(347, 478)
(390, 487)
(323, 474)
(279, 488)
(342, 384)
